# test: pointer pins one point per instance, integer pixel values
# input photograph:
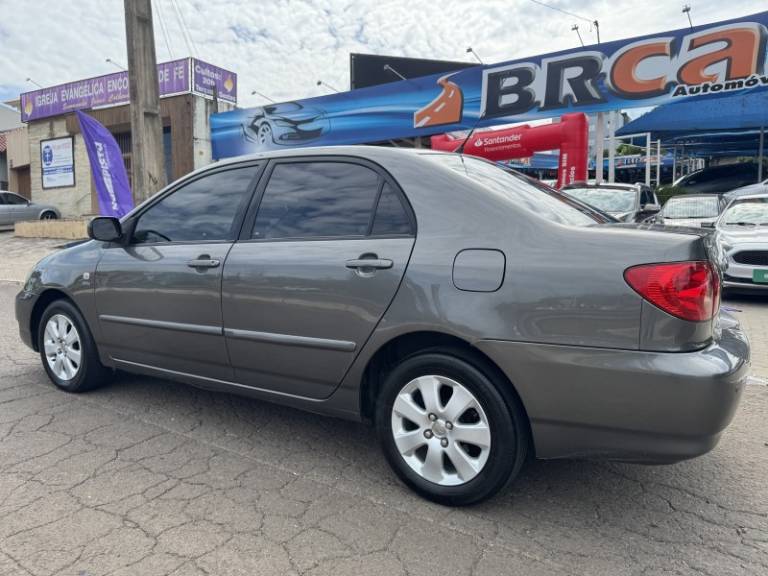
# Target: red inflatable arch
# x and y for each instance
(570, 136)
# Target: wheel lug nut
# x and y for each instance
(444, 442)
(449, 425)
(432, 417)
(427, 434)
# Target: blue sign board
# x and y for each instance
(718, 59)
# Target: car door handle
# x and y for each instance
(203, 263)
(380, 263)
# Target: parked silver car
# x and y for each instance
(743, 234)
(473, 315)
(15, 208)
(625, 202)
(694, 210)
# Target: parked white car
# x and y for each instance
(742, 232)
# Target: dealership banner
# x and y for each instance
(175, 77)
(704, 62)
(107, 168)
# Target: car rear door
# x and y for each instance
(320, 258)
(158, 296)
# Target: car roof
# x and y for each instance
(364, 151)
(613, 185)
(751, 196)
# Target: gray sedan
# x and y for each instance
(15, 208)
(475, 317)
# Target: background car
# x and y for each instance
(718, 179)
(694, 210)
(743, 235)
(625, 202)
(15, 208)
(287, 123)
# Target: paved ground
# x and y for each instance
(150, 477)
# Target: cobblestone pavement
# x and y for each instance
(20, 254)
(147, 477)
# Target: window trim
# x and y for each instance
(130, 222)
(246, 229)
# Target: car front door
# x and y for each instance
(320, 258)
(158, 295)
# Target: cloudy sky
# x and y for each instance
(282, 47)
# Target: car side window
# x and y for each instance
(391, 217)
(204, 210)
(13, 199)
(317, 200)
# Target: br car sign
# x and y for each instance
(707, 62)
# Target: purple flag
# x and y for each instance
(112, 188)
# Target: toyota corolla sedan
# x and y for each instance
(743, 233)
(474, 317)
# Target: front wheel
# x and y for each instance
(67, 349)
(448, 431)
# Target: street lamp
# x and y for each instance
(116, 65)
(575, 28)
(471, 51)
(321, 83)
(389, 68)
(254, 92)
(33, 82)
(687, 12)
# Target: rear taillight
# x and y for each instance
(688, 290)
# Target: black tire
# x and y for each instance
(506, 420)
(48, 215)
(90, 372)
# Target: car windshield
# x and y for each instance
(747, 212)
(531, 194)
(613, 200)
(680, 207)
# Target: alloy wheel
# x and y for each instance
(63, 348)
(441, 430)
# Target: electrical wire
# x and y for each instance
(156, 8)
(184, 31)
(563, 11)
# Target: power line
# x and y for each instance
(184, 29)
(563, 11)
(158, 11)
(593, 22)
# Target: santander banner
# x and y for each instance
(706, 62)
(570, 136)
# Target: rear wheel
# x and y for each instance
(447, 430)
(48, 215)
(67, 349)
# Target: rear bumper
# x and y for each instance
(652, 407)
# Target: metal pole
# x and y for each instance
(760, 154)
(612, 147)
(658, 162)
(674, 164)
(599, 146)
(648, 159)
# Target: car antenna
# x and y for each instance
(460, 149)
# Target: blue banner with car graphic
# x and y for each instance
(704, 62)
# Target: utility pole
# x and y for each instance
(147, 161)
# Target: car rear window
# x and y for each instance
(539, 198)
(691, 207)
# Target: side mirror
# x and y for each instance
(105, 228)
(708, 225)
(651, 207)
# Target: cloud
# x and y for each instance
(282, 47)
